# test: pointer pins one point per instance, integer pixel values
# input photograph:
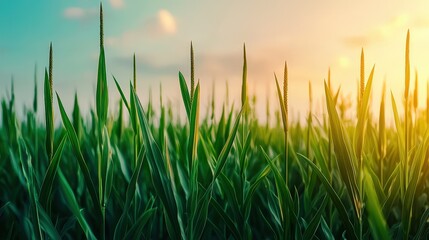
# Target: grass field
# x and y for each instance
(229, 177)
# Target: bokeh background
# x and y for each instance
(311, 36)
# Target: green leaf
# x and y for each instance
(310, 231)
(49, 116)
(223, 156)
(159, 175)
(346, 159)
(124, 99)
(102, 95)
(226, 219)
(334, 197)
(136, 230)
(185, 94)
(48, 180)
(376, 219)
(71, 133)
(70, 198)
(129, 196)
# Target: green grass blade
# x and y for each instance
(193, 134)
(159, 173)
(81, 161)
(136, 230)
(226, 219)
(310, 231)
(376, 219)
(49, 116)
(346, 159)
(124, 99)
(102, 95)
(48, 180)
(129, 196)
(185, 94)
(334, 197)
(70, 198)
(223, 156)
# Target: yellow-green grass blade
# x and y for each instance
(415, 173)
(244, 80)
(346, 159)
(377, 222)
(193, 134)
(401, 147)
(185, 94)
(382, 138)
(362, 119)
(282, 105)
(192, 73)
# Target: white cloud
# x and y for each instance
(77, 13)
(388, 29)
(74, 13)
(162, 24)
(167, 21)
(159, 25)
(117, 3)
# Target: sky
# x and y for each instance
(312, 36)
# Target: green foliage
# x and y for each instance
(208, 178)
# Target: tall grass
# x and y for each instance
(227, 178)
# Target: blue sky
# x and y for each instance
(310, 35)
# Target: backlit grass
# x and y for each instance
(213, 178)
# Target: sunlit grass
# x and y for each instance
(214, 177)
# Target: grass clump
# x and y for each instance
(230, 177)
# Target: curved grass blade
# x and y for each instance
(81, 161)
(376, 219)
(310, 231)
(185, 94)
(159, 174)
(334, 197)
(223, 156)
(348, 162)
(226, 219)
(49, 116)
(136, 230)
(193, 134)
(46, 223)
(124, 99)
(284, 195)
(129, 196)
(74, 206)
(48, 180)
